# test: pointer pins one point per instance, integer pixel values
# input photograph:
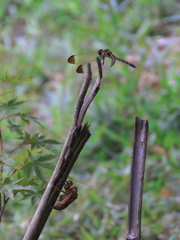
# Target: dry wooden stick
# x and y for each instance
(137, 178)
(75, 142)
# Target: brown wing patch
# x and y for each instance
(71, 59)
(80, 69)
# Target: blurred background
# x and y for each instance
(36, 38)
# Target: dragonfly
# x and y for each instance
(102, 54)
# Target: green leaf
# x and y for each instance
(6, 158)
(40, 173)
(37, 141)
(48, 166)
(30, 155)
(7, 92)
(29, 170)
(52, 149)
(27, 117)
(46, 158)
(12, 104)
(36, 198)
(29, 194)
(14, 128)
(15, 79)
(9, 187)
(36, 165)
(6, 180)
(37, 150)
(51, 141)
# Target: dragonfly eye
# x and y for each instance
(100, 51)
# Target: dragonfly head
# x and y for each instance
(100, 51)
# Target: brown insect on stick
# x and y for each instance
(69, 196)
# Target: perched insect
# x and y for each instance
(102, 55)
(69, 195)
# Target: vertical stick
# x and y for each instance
(137, 178)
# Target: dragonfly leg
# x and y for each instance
(113, 62)
(102, 58)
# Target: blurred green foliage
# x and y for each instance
(36, 39)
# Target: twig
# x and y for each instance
(1, 173)
(75, 141)
(137, 178)
(5, 201)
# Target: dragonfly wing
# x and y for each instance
(80, 58)
(83, 67)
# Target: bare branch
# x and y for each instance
(137, 178)
(1, 173)
(75, 142)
